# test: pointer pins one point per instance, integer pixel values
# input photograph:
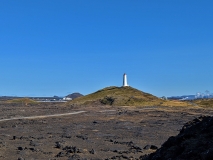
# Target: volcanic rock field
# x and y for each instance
(97, 132)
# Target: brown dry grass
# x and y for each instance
(24, 101)
(206, 103)
(124, 96)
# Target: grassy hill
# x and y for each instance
(123, 96)
(204, 102)
(24, 101)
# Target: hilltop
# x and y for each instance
(74, 95)
(123, 96)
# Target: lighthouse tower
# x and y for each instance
(125, 80)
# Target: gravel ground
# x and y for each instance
(101, 132)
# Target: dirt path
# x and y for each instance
(44, 116)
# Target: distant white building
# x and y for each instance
(67, 99)
(164, 98)
(125, 80)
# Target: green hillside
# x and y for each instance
(119, 96)
(24, 101)
(204, 102)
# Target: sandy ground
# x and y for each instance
(54, 131)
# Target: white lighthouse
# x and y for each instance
(125, 80)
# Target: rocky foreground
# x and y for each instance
(101, 132)
(195, 141)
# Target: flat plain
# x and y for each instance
(92, 132)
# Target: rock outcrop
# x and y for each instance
(195, 141)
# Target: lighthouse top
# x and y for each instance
(125, 80)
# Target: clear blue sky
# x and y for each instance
(53, 47)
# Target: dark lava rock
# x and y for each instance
(14, 126)
(74, 157)
(82, 137)
(94, 122)
(33, 149)
(32, 143)
(135, 149)
(2, 144)
(69, 150)
(58, 145)
(66, 136)
(20, 148)
(120, 157)
(92, 151)
(20, 158)
(61, 154)
(124, 143)
(195, 141)
(72, 149)
(24, 138)
(153, 147)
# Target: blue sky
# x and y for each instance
(52, 47)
